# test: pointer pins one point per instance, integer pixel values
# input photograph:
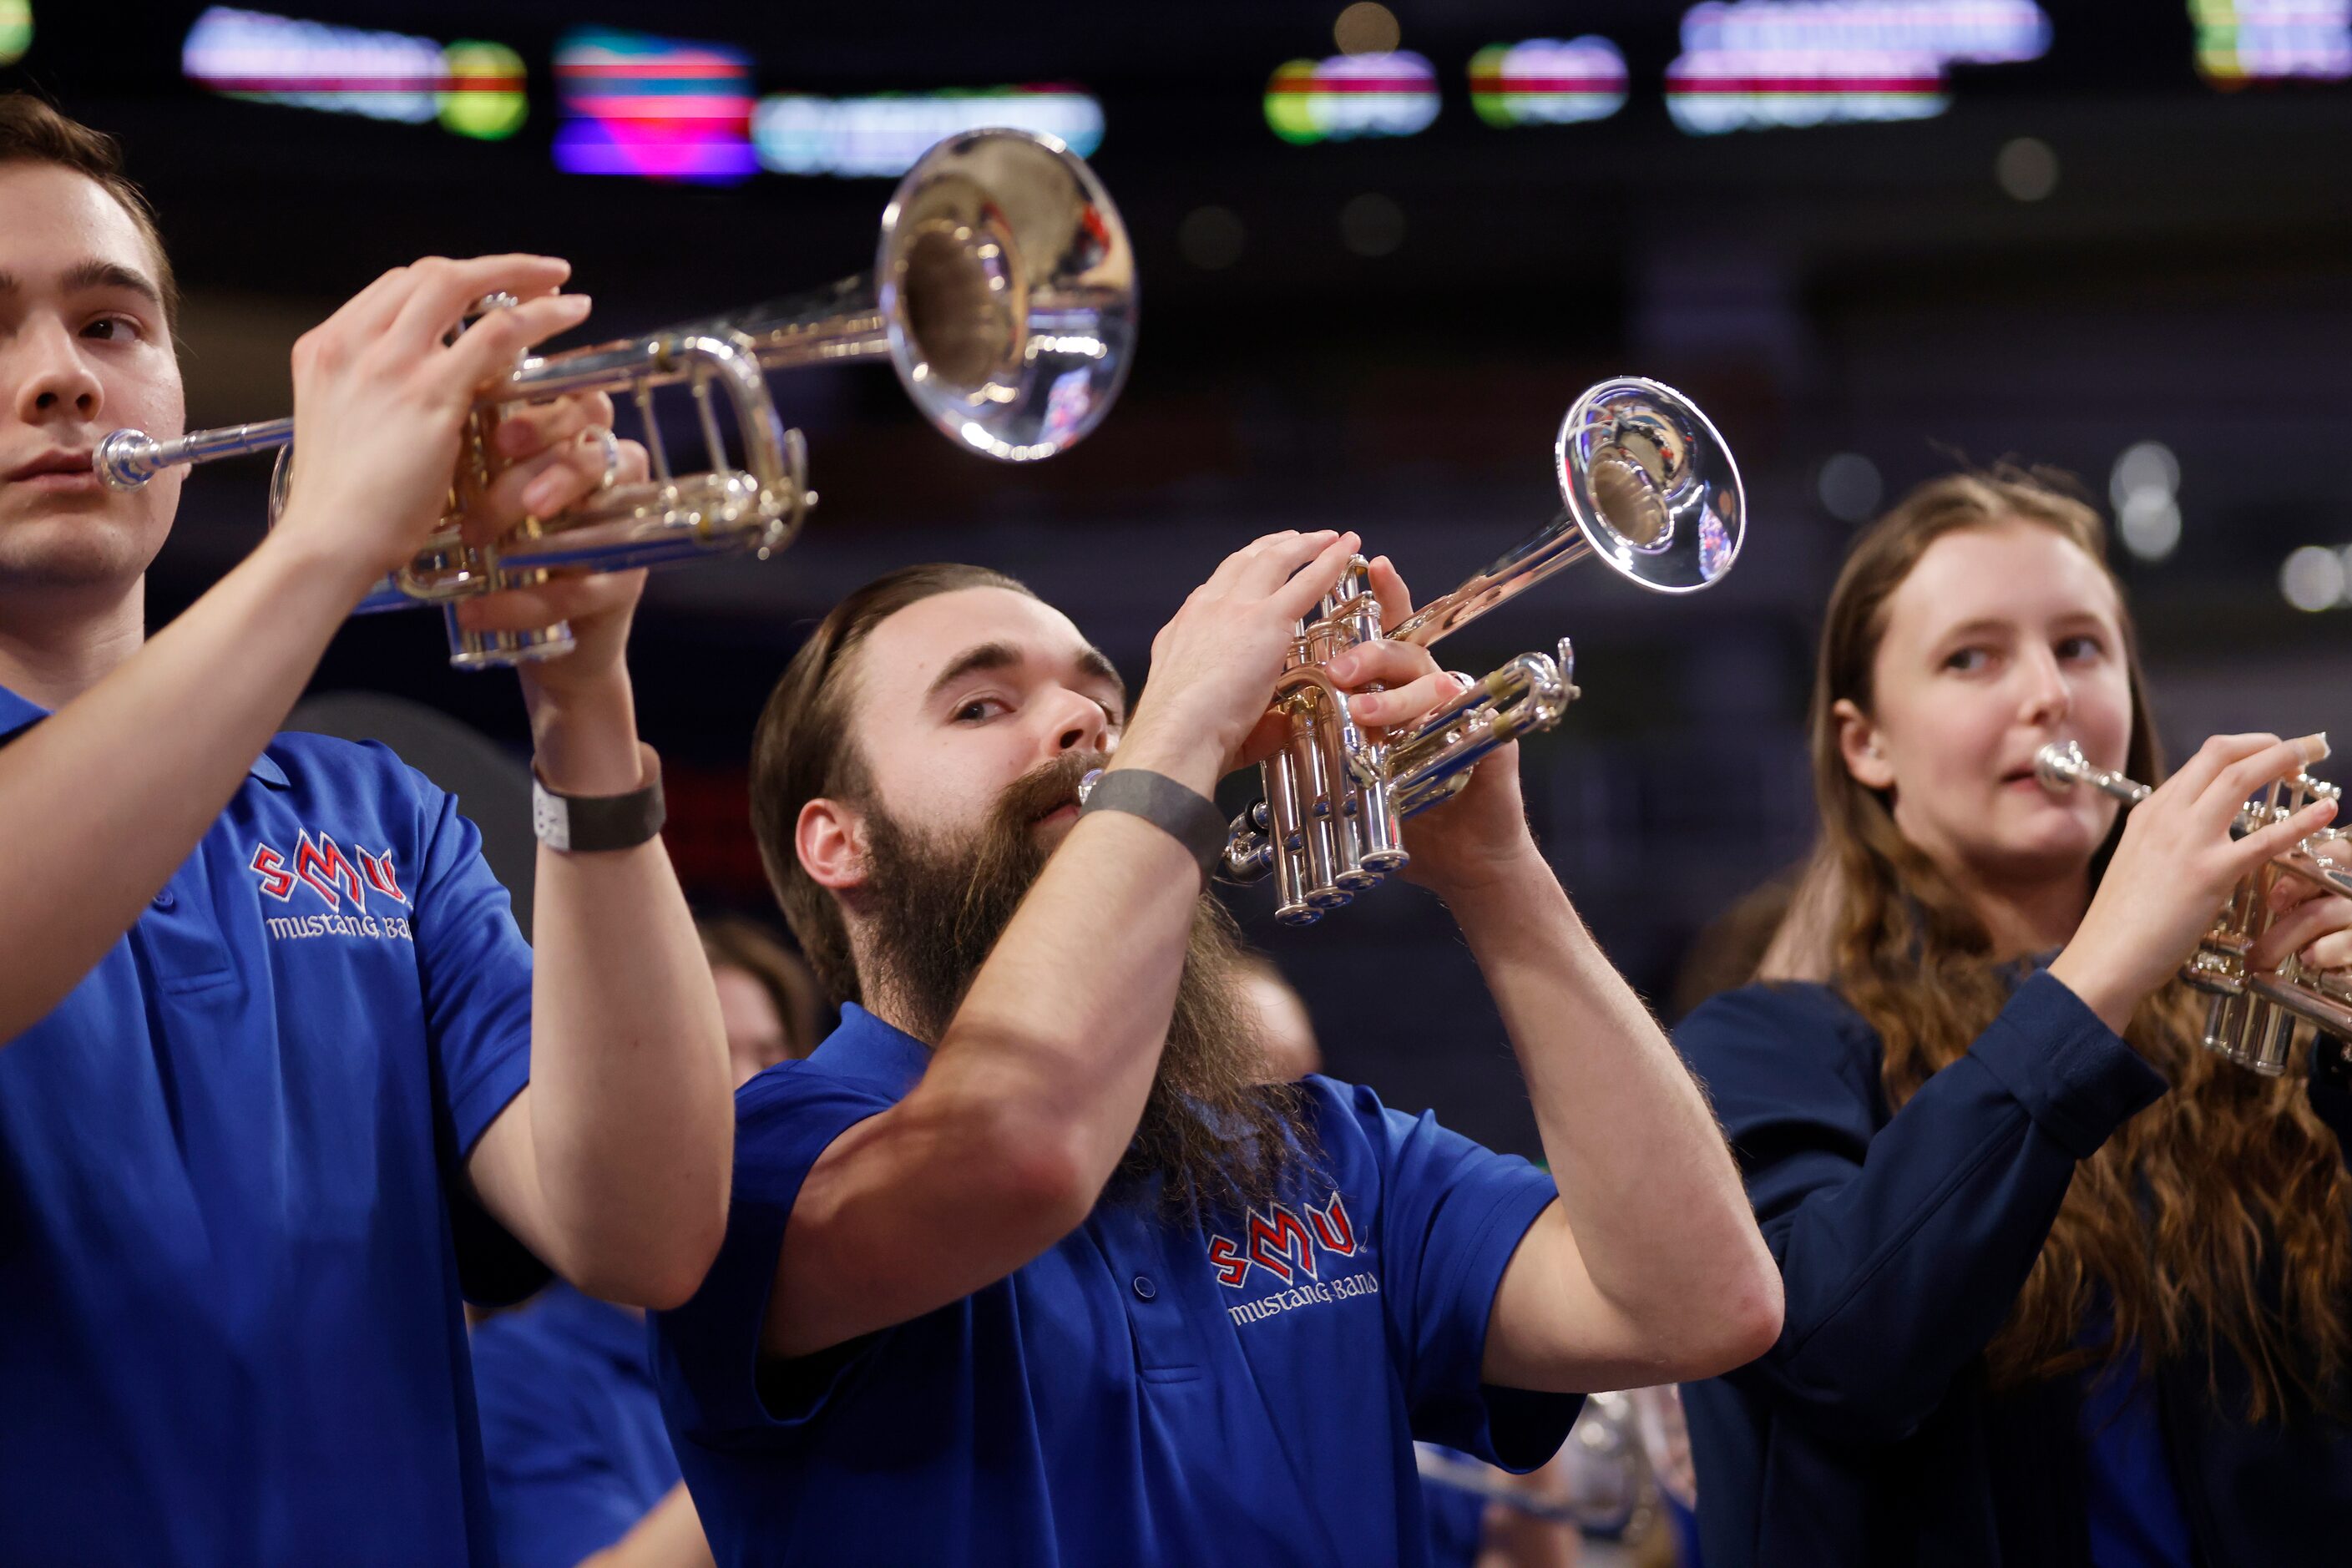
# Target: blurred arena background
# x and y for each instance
(1381, 251)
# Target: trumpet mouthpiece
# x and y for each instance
(2058, 765)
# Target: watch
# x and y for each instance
(587, 824)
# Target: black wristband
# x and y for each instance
(587, 824)
(1183, 814)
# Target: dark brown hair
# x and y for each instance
(732, 942)
(32, 131)
(2178, 1218)
(801, 752)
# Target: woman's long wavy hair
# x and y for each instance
(2188, 1219)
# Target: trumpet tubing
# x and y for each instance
(2255, 1014)
(1002, 292)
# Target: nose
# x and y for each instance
(1079, 724)
(56, 381)
(2047, 699)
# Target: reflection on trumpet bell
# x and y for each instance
(1002, 292)
(2256, 1012)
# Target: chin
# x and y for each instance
(74, 551)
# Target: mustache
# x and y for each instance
(1044, 790)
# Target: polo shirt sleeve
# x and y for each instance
(1451, 1214)
(707, 1354)
(475, 971)
(556, 1497)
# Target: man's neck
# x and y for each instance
(58, 643)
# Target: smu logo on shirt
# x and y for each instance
(1282, 1245)
(337, 877)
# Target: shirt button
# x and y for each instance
(163, 900)
(1144, 1288)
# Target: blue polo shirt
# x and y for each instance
(1145, 1392)
(232, 1191)
(571, 1429)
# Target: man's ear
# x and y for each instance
(1858, 744)
(829, 836)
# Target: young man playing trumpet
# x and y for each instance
(1025, 1264)
(267, 1032)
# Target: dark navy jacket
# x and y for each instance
(1868, 1435)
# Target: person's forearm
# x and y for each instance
(1647, 1186)
(631, 1120)
(670, 1536)
(1061, 1034)
(99, 804)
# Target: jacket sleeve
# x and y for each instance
(1902, 1241)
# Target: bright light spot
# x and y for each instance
(1352, 95)
(660, 107)
(2238, 41)
(1849, 486)
(309, 65)
(1756, 64)
(1365, 28)
(2312, 578)
(1371, 225)
(2149, 521)
(2144, 465)
(16, 30)
(796, 134)
(1547, 82)
(483, 95)
(1212, 238)
(2026, 169)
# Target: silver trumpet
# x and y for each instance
(1003, 291)
(2255, 1013)
(1650, 490)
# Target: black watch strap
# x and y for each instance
(1184, 814)
(586, 824)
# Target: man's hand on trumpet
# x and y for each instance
(1482, 833)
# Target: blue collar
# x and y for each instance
(16, 715)
(865, 1046)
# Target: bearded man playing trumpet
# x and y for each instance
(1027, 1263)
(277, 1069)
(2064, 1287)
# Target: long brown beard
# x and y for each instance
(1212, 1138)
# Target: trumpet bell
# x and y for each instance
(1650, 485)
(1007, 287)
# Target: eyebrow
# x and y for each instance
(1091, 662)
(95, 274)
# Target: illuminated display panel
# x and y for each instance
(883, 135)
(1544, 81)
(2240, 41)
(1756, 64)
(1346, 96)
(472, 87)
(16, 30)
(657, 108)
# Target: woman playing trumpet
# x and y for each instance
(2062, 1286)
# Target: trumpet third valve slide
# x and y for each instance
(2255, 1013)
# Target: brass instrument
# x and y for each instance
(2255, 1013)
(1650, 490)
(1002, 292)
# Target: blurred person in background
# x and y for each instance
(2064, 1288)
(580, 1468)
(766, 994)
(1285, 1033)
(982, 1298)
(278, 1074)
